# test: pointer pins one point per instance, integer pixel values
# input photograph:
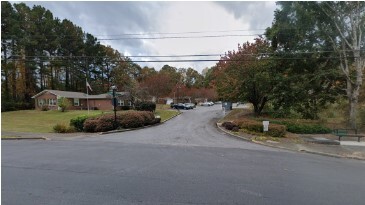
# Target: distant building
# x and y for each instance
(80, 101)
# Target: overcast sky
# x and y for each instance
(108, 20)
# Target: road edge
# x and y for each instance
(285, 148)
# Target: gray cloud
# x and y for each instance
(105, 20)
(258, 14)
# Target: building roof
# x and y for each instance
(70, 94)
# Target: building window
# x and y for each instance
(41, 102)
(121, 102)
(130, 103)
(76, 102)
(52, 102)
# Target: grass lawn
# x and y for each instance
(166, 114)
(38, 121)
(43, 121)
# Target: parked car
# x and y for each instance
(206, 104)
(181, 106)
(190, 105)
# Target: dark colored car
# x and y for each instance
(181, 106)
(190, 105)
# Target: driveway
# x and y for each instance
(192, 128)
(183, 161)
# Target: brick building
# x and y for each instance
(80, 101)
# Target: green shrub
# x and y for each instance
(61, 128)
(300, 128)
(145, 106)
(275, 130)
(7, 106)
(78, 122)
(63, 103)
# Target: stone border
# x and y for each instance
(285, 148)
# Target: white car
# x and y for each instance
(207, 104)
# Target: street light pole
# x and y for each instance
(114, 88)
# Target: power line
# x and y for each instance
(177, 37)
(190, 60)
(184, 55)
(158, 33)
(169, 33)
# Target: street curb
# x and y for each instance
(179, 113)
(285, 148)
(25, 138)
(138, 128)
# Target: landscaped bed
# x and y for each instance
(35, 121)
(241, 122)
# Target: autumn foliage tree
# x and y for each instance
(246, 74)
(158, 85)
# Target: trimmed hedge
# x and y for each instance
(90, 125)
(131, 120)
(128, 119)
(145, 106)
(299, 128)
(275, 130)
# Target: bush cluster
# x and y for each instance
(90, 125)
(230, 126)
(145, 106)
(125, 107)
(275, 130)
(61, 128)
(129, 119)
(44, 108)
(13, 106)
(300, 128)
(78, 122)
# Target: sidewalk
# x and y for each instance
(325, 144)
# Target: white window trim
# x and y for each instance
(120, 102)
(51, 102)
(41, 102)
(76, 102)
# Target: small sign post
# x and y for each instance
(266, 125)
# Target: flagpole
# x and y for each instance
(87, 98)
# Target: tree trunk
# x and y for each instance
(355, 92)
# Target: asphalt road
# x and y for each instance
(184, 161)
